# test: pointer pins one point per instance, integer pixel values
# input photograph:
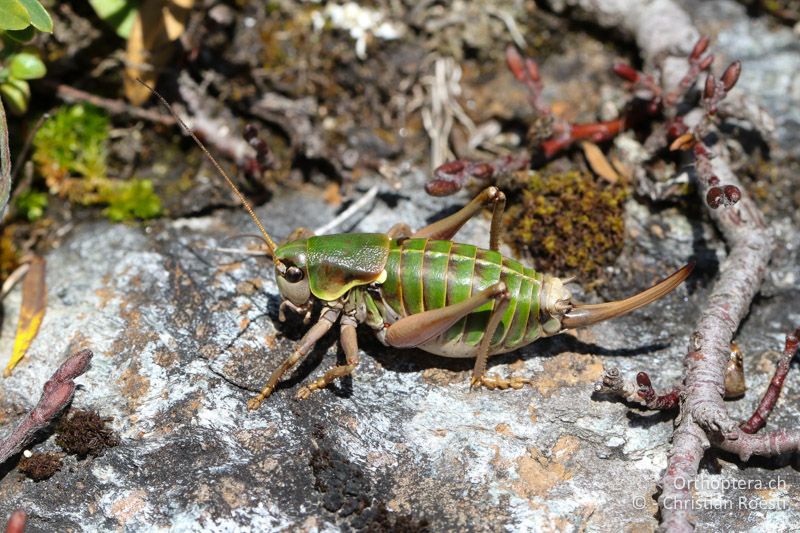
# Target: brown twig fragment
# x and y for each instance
(56, 394)
(759, 418)
(639, 391)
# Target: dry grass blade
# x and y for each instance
(598, 162)
(158, 23)
(34, 301)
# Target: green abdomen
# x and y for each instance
(425, 274)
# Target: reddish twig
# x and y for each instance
(56, 394)
(452, 176)
(16, 522)
(115, 107)
(661, 28)
(759, 418)
(639, 391)
(555, 135)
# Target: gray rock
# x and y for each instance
(183, 335)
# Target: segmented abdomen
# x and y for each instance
(424, 274)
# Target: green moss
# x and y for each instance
(74, 141)
(132, 199)
(570, 222)
(71, 152)
(32, 204)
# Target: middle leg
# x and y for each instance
(479, 376)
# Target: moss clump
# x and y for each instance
(40, 466)
(31, 204)
(71, 152)
(85, 433)
(131, 199)
(570, 222)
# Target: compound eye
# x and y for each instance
(293, 274)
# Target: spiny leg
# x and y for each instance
(349, 343)
(479, 377)
(327, 318)
(446, 228)
(419, 328)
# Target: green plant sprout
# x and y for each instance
(71, 152)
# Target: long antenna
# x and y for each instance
(267, 239)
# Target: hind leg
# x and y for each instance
(446, 228)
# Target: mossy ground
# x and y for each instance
(85, 433)
(569, 222)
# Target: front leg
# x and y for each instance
(349, 343)
(327, 318)
(446, 228)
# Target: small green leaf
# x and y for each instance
(21, 36)
(16, 94)
(39, 16)
(13, 15)
(27, 66)
(119, 14)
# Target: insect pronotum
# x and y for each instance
(420, 289)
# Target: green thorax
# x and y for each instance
(337, 263)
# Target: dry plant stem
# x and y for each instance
(56, 394)
(759, 418)
(703, 411)
(358, 205)
(115, 107)
(664, 32)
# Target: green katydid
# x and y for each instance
(421, 290)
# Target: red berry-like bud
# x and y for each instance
(626, 72)
(515, 63)
(699, 47)
(250, 132)
(714, 197)
(676, 129)
(731, 75)
(450, 168)
(533, 69)
(482, 171)
(713, 180)
(643, 380)
(711, 87)
(442, 187)
(706, 62)
(732, 194)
